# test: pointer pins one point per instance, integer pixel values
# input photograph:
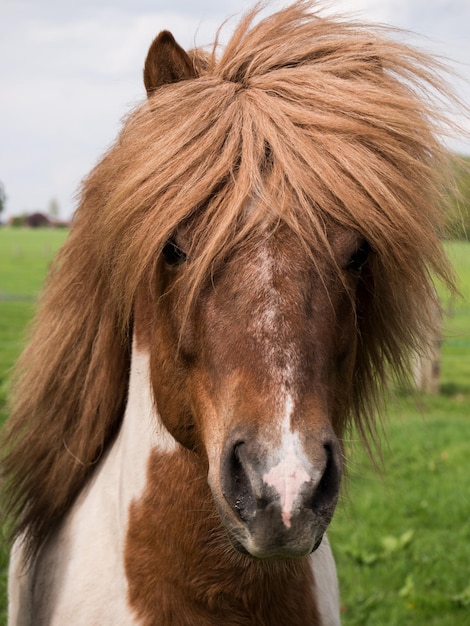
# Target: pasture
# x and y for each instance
(401, 535)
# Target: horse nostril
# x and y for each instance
(327, 490)
(237, 488)
(298, 495)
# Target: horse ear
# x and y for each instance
(166, 63)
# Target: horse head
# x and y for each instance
(253, 381)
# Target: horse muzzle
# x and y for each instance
(278, 503)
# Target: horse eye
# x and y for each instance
(173, 254)
(359, 258)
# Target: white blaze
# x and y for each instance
(289, 474)
(291, 469)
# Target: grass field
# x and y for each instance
(25, 256)
(401, 536)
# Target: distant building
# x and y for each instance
(37, 220)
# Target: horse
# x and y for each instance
(248, 265)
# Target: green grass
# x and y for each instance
(456, 346)
(401, 536)
(25, 255)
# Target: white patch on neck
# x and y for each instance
(325, 589)
(141, 433)
(84, 558)
(288, 476)
(142, 428)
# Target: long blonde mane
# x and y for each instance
(319, 120)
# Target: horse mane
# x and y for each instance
(317, 119)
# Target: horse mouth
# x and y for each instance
(271, 549)
(266, 537)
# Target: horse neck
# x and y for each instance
(174, 535)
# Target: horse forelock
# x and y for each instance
(304, 121)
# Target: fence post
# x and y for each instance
(427, 363)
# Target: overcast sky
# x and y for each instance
(70, 70)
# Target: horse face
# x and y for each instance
(255, 381)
